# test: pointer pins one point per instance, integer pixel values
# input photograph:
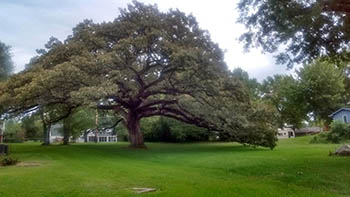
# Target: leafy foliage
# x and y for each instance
(169, 130)
(339, 132)
(14, 132)
(322, 86)
(33, 127)
(252, 85)
(80, 120)
(285, 94)
(8, 161)
(304, 29)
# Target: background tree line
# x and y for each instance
(307, 97)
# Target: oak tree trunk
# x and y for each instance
(135, 134)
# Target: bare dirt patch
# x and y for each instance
(140, 190)
(28, 164)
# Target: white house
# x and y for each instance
(56, 133)
(104, 135)
(285, 133)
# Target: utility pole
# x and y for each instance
(96, 133)
(2, 132)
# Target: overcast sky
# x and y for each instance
(26, 25)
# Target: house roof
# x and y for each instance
(308, 130)
(339, 110)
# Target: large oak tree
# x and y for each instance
(145, 63)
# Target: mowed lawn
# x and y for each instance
(294, 168)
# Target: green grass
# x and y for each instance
(294, 168)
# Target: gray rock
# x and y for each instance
(343, 150)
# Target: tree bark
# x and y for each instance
(135, 134)
(46, 134)
(2, 133)
(46, 130)
(66, 133)
(85, 136)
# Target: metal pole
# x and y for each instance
(2, 131)
(96, 133)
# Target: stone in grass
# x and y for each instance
(343, 150)
(140, 190)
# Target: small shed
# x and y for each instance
(342, 115)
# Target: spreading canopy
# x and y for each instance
(144, 63)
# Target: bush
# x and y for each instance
(17, 137)
(14, 132)
(320, 139)
(339, 132)
(122, 133)
(8, 161)
(160, 129)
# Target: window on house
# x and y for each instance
(345, 119)
(102, 139)
(112, 139)
(92, 138)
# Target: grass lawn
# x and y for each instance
(294, 168)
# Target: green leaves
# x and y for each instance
(6, 65)
(322, 84)
(304, 30)
(285, 94)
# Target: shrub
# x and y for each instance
(320, 139)
(162, 129)
(122, 133)
(339, 132)
(8, 161)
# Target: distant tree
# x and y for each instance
(322, 85)
(13, 131)
(285, 94)
(170, 130)
(50, 115)
(77, 122)
(32, 126)
(303, 30)
(6, 65)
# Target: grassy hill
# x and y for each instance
(294, 168)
